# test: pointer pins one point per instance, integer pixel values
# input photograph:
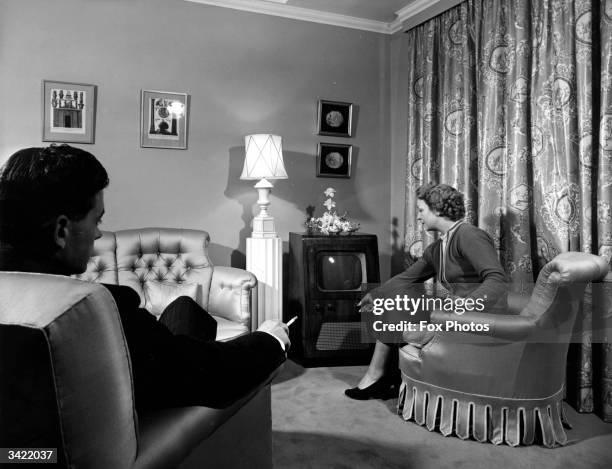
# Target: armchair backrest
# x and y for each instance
(102, 265)
(145, 257)
(65, 378)
(553, 307)
(149, 256)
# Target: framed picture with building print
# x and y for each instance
(334, 160)
(69, 112)
(163, 119)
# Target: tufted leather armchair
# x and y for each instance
(139, 258)
(505, 385)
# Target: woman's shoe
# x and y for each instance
(384, 388)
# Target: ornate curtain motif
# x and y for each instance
(510, 101)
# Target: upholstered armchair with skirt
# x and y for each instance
(504, 385)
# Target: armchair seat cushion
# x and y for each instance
(227, 329)
(160, 294)
(411, 358)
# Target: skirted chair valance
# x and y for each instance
(504, 385)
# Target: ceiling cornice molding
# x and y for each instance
(420, 11)
(418, 8)
(303, 14)
(414, 8)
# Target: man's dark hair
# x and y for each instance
(443, 199)
(39, 184)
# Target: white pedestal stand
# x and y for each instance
(264, 258)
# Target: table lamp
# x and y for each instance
(263, 161)
(264, 249)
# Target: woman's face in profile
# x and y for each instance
(428, 218)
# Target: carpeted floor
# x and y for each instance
(315, 426)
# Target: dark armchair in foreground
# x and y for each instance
(66, 383)
(504, 385)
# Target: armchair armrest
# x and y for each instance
(230, 294)
(517, 302)
(501, 326)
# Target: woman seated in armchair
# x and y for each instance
(464, 262)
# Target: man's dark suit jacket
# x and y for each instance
(177, 370)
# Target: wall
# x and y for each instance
(399, 95)
(245, 73)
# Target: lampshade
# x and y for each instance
(264, 157)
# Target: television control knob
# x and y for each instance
(317, 308)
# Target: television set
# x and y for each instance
(326, 277)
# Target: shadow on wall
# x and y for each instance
(223, 255)
(242, 192)
(398, 258)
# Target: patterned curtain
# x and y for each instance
(510, 101)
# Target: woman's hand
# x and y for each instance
(366, 305)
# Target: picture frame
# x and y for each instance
(335, 118)
(164, 119)
(68, 112)
(334, 160)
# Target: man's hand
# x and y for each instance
(277, 329)
(366, 305)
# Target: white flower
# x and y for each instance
(329, 204)
(330, 222)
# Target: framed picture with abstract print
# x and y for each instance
(69, 112)
(335, 118)
(163, 120)
(334, 160)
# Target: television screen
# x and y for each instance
(340, 271)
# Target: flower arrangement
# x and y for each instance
(330, 223)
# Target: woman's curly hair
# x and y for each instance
(443, 199)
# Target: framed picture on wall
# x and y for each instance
(163, 119)
(69, 112)
(334, 160)
(335, 118)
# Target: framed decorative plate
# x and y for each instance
(335, 118)
(334, 160)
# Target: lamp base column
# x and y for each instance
(264, 258)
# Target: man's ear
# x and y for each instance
(61, 231)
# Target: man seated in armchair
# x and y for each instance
(51, 205)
